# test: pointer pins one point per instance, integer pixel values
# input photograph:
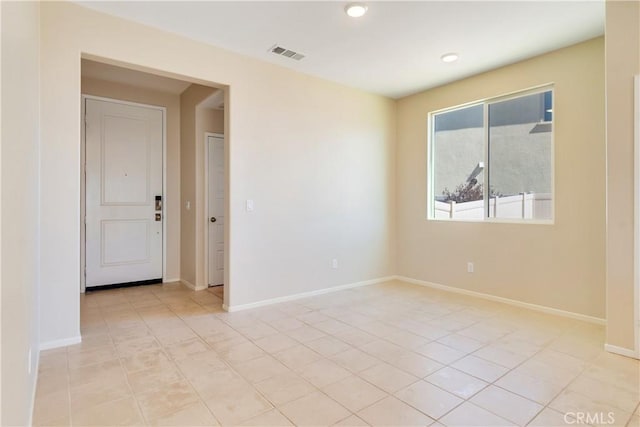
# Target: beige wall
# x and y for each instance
(20, 208)
(91, 86)
(1, 387)
(212, 119)
(340, 204)
(189, 131)
(559, 266)
(623, 62)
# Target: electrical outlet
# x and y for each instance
(469, 267)
(334, 263)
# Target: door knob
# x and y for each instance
(213, 219)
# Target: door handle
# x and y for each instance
(213, 219)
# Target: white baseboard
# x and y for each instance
(49, 345)
(187, 284)
(535, 307)
(170, 280)
(293, 297)
(621, 351)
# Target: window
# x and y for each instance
(493, 159)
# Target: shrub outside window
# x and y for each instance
(493, 159)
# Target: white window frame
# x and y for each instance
(548, 87)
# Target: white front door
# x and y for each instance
(123, 192)
(215, 150)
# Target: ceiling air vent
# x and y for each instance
(279, 50)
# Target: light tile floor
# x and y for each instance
(390, 354)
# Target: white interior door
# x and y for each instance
(215, 150)
(123, 180)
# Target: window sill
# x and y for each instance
(495, 221)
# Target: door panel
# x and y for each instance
(123, 177)
(215, 197)
(126, 242)
(125, 161)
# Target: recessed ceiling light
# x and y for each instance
(355, 10)
(449, 57)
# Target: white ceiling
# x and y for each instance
(394, 50)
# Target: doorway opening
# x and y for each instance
(142, 202)
(124, 172)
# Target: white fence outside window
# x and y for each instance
(521, 206)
